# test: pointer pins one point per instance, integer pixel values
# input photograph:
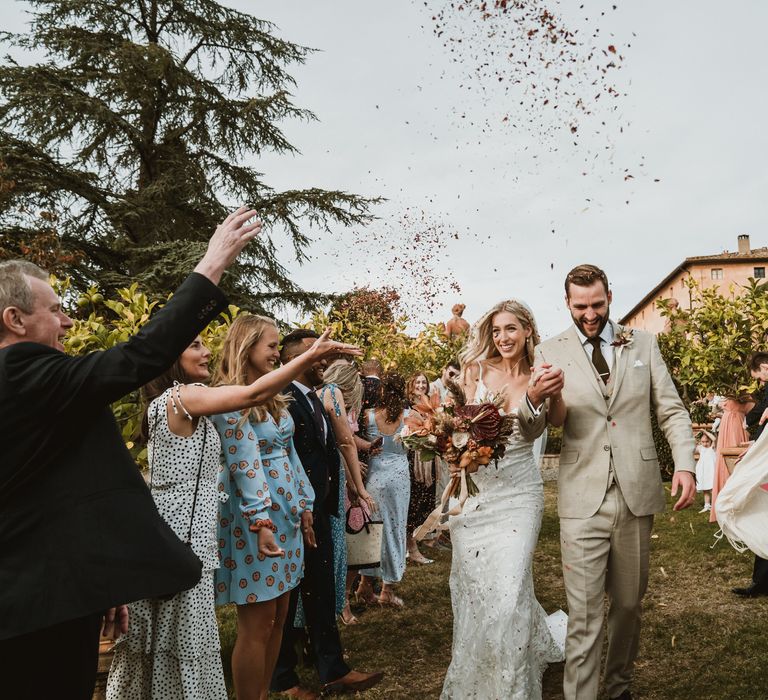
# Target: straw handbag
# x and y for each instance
(363, 539)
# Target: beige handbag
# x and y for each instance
(363, 539)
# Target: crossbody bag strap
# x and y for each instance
(197, 483)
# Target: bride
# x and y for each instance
(502, 638)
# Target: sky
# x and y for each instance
(481, 208)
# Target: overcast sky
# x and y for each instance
(399, 118)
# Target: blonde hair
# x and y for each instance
(458, 309)
(345, 376)
(246, 330)
(480, 345)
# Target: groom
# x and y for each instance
(609, 482)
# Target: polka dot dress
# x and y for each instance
(172, 648)
(264, 479)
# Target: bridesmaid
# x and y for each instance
(732, 433)
(389, 484)
(268, 494)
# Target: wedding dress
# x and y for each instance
(502, 638)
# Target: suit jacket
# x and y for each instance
(319, 455)
(600, 432)
(79, 531)
(753, 417)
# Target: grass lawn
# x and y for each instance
(698, 641)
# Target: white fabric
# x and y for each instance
(742, 504)
(502, 638)
(705, 468)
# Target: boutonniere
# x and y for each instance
(624, 339)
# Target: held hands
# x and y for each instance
(267, 545)
(546, 382)
(687, 483)
(324, 346)
(307, 528)
(227, 241)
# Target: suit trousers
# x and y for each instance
(606, 553)
(318, 596)
(56, 662)
(760, 573)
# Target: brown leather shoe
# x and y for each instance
(301, 693)
(353, 682)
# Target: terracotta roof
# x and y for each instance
(755, 255)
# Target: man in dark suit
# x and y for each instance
(756, 419)
(79, 531)
(316, 447)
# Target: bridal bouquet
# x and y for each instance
(465, 436)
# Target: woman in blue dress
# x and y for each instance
(389, 484)
(267, 519)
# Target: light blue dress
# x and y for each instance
(263, 478)
(389, 484)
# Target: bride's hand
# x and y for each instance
(546, 382)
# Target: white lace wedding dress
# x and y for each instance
(502, 638)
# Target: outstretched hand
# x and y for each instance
(324, 346)
(687, 483)
(227, 241)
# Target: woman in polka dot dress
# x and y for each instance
(171, 650)
(268, 492)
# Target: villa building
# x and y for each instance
(720, 270)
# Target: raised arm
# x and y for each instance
(207, 401)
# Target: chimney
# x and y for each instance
(744, 244)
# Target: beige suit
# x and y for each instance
(609, 488)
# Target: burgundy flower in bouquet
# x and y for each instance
(465, 436)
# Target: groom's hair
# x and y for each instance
(585, 276)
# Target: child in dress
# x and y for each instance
(705, 468)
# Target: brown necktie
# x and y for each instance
(598, 360)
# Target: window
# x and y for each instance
(717, 273)
(759, 273)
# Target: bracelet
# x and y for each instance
(258, 524)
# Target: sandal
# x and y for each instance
(348, 617)
(365, 597)
(391, 600)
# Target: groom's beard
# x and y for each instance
(588, 331)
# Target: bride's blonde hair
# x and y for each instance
(480, 345)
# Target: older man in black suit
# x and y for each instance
(79, 532)
(316, 447)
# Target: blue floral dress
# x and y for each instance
(263, 478)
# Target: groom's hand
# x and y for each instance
(687, 484)
(546, 382)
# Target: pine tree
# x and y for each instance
(132, 134)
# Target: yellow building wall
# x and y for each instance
(649, 318)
